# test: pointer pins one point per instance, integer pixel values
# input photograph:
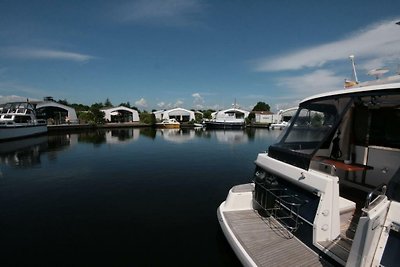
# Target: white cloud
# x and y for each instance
(198, 100)
(18, 88)
(196, 95)
(141, 103)
(14, 98)
(312, 83)
(38, 53)
(161, 12)
(161, 104)
(178, 103)
(378, 41)
(286, 105)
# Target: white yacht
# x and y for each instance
(228, 119)
(18, 120)
(328, 192)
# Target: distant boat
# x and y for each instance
(168, 123)
(279, 126)
(228, 119)
(18, 119)
(198, 125)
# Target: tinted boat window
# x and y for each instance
(313, 127)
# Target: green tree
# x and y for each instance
(127, 104)
(63, 102)
(98, 115)
(108, 103)
(261, 106)
(207, 113)
(148, 118)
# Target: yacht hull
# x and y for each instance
(20, 131)
(224, 125)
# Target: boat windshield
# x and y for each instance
(312, 127)
(16, 106)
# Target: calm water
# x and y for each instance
(131, 197)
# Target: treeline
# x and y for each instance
(93, 113)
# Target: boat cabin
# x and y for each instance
(335, 174)
(18, 112)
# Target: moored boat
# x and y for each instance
(328, 192)
(18, 119)
(279, 126)
(233, 118)
(168, 123)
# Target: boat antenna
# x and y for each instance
(354, 68)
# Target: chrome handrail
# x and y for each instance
(381, 187)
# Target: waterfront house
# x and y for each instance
(180, 114)
(120, 114)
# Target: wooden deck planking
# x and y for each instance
(268, 243)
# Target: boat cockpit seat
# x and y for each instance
(346, 210)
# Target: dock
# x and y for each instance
(268, 243)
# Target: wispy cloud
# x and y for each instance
(14, 98)
(17, 88)
(141, 103)
(178, 103)
(160, 12)
(198, 101)
(43, 54)
(311, 83)
(378, 44)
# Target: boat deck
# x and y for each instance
(268, 243)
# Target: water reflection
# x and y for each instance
(177, 135)
(24, 152)
(27, 152)
(118, 136)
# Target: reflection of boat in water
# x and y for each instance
(168, 123)
(23, 152)
(178, 135)
(332, 181)
(18, 120)
(198, 125)
(232, 136)
(279, 126)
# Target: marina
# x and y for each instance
(200, 133)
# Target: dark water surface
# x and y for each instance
(128, 197)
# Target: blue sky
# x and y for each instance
(160, 54)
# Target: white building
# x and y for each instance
(269, 117)
(266, 117)
(121, 114)
(60, 112)
(180, 114)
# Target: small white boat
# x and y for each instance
(198, 125)
(279, 126)
(18, 120)
(328, 192)
(168, 123)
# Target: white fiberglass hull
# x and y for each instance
(13, 132)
